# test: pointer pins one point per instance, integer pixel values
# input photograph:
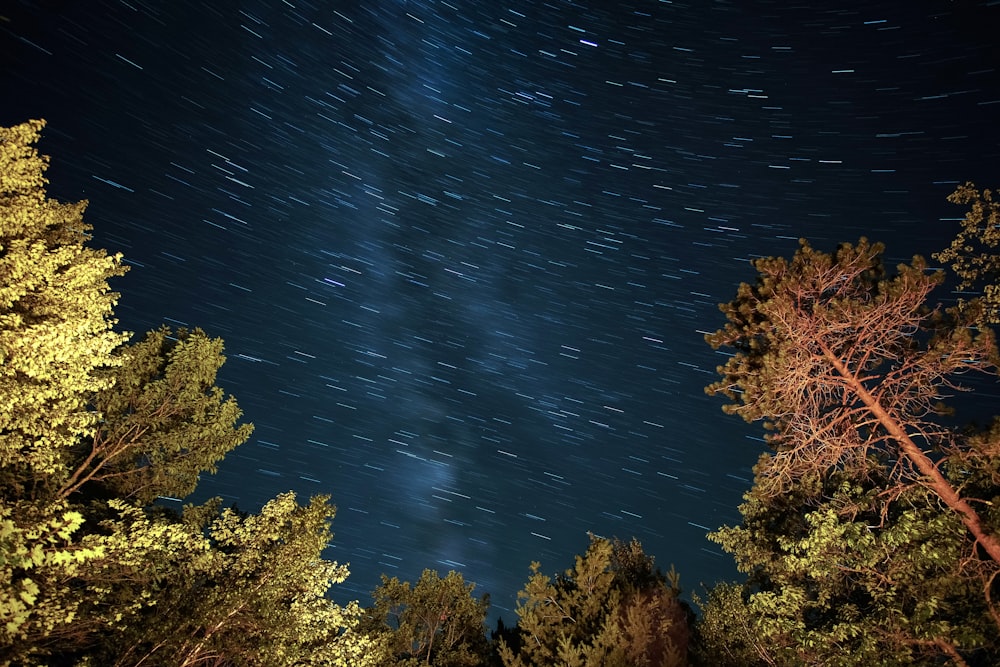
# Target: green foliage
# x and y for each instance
(726, 634)
(611, 609)
(164, 420)
(869, 536)
(55, 319)
(56, 339)
(864, 537)
(849, 367)
(974, 253)
(436, 622)
(249, 588)
(91, 432)
(833, 583)
(37, 556)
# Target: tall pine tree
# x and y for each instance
(870, 534)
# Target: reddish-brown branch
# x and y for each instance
(934, 479)
(102, 452)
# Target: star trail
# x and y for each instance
(463, 254)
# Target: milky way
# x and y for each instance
(463, 254)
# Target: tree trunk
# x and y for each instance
(935, 480)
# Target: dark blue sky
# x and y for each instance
(463, 253)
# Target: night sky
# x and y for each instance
(463, 254)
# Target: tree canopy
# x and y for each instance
(974, 253)
(434, 622)
(871, 534)
(164, 422)
(611, 609)
(92, 430)
(56, 319)
(850, 367)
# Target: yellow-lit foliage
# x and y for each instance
(436, 622)
(92, 430)
(974, 253)
(610, 610)
(30, 554)
(55, 313)
(164, 421)
(225, 587)
(56, 338)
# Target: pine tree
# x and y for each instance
(434, 622)
(870, 534)
(845, 364)
(611, 609)
(974, 253)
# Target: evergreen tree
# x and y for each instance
(164, 422)
(974, 253)
(435, 622)
(848, 367)
(870, 534)
(91, 431)
(611, 609)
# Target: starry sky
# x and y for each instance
(463, 254)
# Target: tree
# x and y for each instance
(975, 251)
(164, 422)
(611, 609)
(870, 534)
(847, 365)
(92, 430)
(39, 559)
(55, 315)
(225, 588)
(435, 622)
(726, 634)
(831, 583)
(56, 339)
